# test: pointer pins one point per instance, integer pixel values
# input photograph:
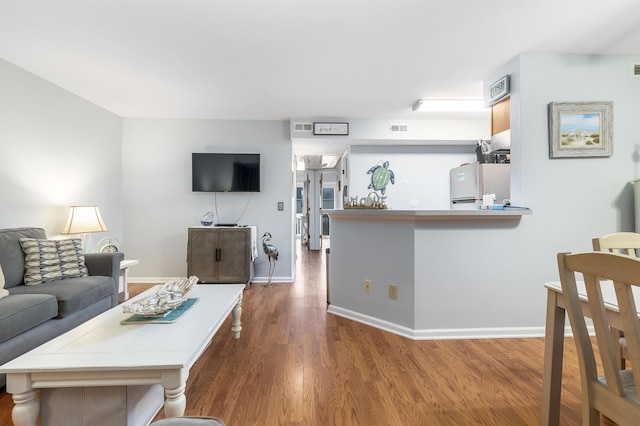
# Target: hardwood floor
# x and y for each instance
(297, 365)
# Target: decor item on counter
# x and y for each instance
(371, 201)
(207, 219)
(109, 245)
(272, 253)
(168, 297)
(580, 129)
(84, 220)
(331, 129)
(381, 175)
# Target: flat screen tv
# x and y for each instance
(217, 172)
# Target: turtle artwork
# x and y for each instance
(381, 175)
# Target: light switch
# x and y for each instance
(280, 206)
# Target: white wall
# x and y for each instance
(159, 205)
(56, 150)
(421, 173)
(500, 272)
(486, 278)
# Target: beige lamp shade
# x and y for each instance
(84, 219)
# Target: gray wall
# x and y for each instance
(486, 278)
(496, 280)
(500, 274)
(159, 205)
(56, 150)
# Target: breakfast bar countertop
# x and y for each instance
(508, 213)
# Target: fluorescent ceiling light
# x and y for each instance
(449, 105)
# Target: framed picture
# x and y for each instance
(341, 129)
(499, 90)
(580, 129)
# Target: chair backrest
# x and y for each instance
(613, 398)
(618, 242)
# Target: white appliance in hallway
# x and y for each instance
(469, 182)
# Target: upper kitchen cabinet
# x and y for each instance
(501, 116)
(501, 126)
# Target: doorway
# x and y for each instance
(316, 192)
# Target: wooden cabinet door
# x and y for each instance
(201, 254)
(235, 249)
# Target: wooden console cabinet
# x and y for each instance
(220, 255)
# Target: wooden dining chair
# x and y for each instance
(618, 242)
(623, 243)
(614, 394)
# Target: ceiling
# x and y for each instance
(276, 60)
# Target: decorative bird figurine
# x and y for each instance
(272, 253)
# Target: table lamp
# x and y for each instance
(84, 220)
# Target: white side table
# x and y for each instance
(124, 275)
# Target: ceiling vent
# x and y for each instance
(399, 128)
(303, 127)
(636, 70)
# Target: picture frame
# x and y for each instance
(580, 129)
(331, 129)
(499, 89)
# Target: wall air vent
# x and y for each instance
(303, 127)
(399, 128)
(636, 70)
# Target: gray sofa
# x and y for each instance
(34, 314)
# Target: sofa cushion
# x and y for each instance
(72, 294)
(51, 260)
(3, 292)
(22, 312)
(12, 258)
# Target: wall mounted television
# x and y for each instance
(218, 172)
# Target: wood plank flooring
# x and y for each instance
(297, 365)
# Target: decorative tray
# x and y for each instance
(168, 297)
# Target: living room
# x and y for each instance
(58, 149)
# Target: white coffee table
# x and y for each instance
(103, 352)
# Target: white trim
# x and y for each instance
(372, 321)
(257, 280)
(443, 333)
(274, 280)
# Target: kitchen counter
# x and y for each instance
(448, 269)
(380, 214)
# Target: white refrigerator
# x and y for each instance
(469, 182)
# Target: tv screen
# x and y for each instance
(215, 172)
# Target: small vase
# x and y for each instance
(207, 219)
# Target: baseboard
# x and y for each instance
(440, 334)
(162, 280)
(148, 280)
(274, 280)
(372, 321)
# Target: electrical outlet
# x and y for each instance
(393, 291)
(367, 286)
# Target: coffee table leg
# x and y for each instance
(236, 328)
(175, 402)
(26, 409)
